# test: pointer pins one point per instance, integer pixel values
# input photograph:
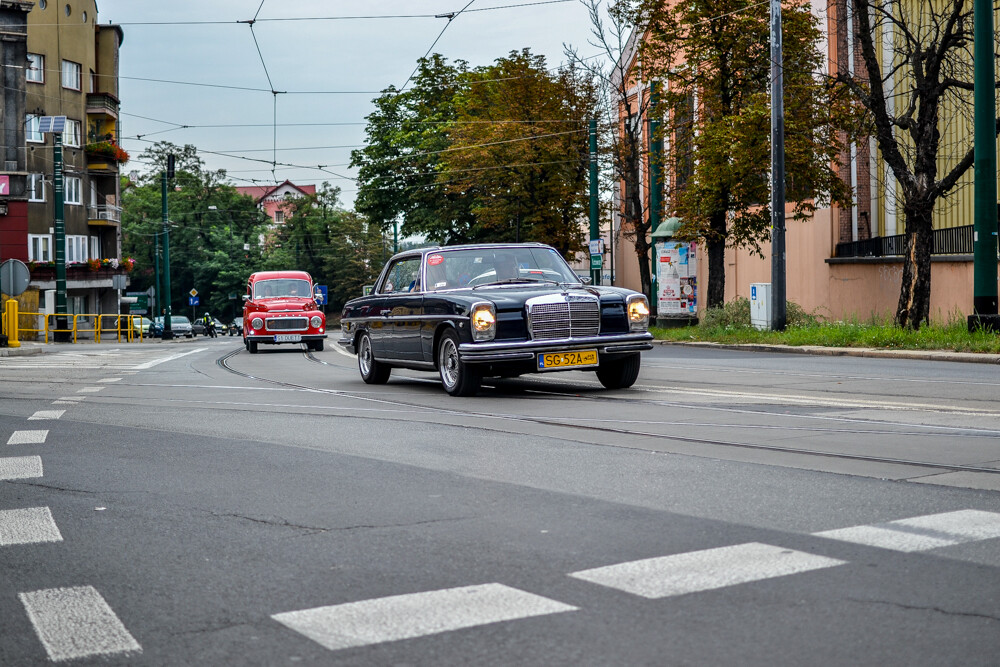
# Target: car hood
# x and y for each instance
(512, 297)
(285, 303)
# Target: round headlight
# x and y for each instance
(638, 313)
(257, 323)
(316, 322)
(484, 322)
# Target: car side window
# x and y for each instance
(403, 276)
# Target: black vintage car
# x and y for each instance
(493, 310)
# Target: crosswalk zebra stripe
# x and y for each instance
(28, 526)
(89, 390)
(46, 414)
(415, 615)
(20, 467)
(923, 532)
(76, 623)
(27, 437)
(705, 570)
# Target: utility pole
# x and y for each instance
(55, 125)
(168, 332)
(984, 248)
(595, 222)
(778, 313)
(655, 189)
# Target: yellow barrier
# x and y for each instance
(10, 328)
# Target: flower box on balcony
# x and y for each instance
(106, 151)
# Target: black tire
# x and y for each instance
(619, 373)
(316, 345)
(252, 346)
(372, 371)
(459, 379)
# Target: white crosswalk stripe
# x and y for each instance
(20, 467)
(28, 526)
(706, 570)
(923, 532)
(77, 623)
(27, 437)
(46, 414)
(416, 615)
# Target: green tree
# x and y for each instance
(518, 152)
(713, 57)
(339, 248)
(211, 225)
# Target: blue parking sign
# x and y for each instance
(321, 294)
(193, 300)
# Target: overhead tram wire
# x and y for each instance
(451, 16)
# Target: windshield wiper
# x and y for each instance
(517, 281)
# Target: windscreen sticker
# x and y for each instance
(434, 260)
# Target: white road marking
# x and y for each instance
(27, 437)
(46, 414)
(110, 380)
(20, 467)
(76, 623)
(923, 532)
(89, 390)
(341, 350)
(28, 526)
(72, 399)
(704, 570)
(416, 615)
(156, 362)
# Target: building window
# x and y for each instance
(32, 133)
(93, 81)
(73, 192)
(36, 68)
(279, 217)
(95, 247)
(71, 134)
(70, 75)
(76, 249)
(36, 187)
(39, 248)
(42, 4)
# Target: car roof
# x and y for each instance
(468, 246)
(274, 275)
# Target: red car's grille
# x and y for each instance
(286, 323)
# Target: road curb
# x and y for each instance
(871, 352)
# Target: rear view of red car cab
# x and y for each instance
(278, 308)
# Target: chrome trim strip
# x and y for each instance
(609, 343)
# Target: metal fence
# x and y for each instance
(951, 241)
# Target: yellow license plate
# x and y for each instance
(562, 360)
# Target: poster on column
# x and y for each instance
(676, 277)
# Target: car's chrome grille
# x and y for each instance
(286, 323)
(558, 316)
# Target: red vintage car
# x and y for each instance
(280, 307)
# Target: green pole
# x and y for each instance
(655, 187)
(595, 222)
(168, 332)
(395, 237)
(984, 248)
(156, 264)
(60, 231)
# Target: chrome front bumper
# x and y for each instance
(480, 353)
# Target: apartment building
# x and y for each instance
(72, 71)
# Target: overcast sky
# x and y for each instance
(331, 70)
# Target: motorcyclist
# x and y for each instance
(209, 325)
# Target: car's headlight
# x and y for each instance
(316, 322)
(484, 321)
(638, 312)
(257, 323)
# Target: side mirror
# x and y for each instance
(246, 297)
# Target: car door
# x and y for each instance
(402, 305)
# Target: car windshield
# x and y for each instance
(281, 287)
(179, 319)
(451, 269)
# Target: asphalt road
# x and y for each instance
(185, 502)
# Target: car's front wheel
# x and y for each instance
(316, 345)
(372, 371)
(619, 373)
(252, 346)
(459, 379)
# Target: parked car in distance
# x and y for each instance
(180, 325)
(236, 326)
(493, 310)
(141, 325)
(278, 308)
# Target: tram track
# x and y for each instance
(223, 362)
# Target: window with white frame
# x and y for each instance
(73, 190)
(93, 81)
(32, 130)
(71, 134)
(36, 187)
(36, 68)
(95, 247)
(71, 75)
(279, 217)
(76, 248)
(39, 248)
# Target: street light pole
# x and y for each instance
(778, 303)
(168, 332)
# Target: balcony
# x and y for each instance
(90, 274)
(951, 241)
(100, 216)
(102, 103)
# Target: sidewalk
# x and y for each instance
(31, 347)
(922, 355)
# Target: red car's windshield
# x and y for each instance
(281, 287)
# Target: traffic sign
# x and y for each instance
(193, 292)
(596, 262)
(193, 300)
(321, 294)
(14, 277)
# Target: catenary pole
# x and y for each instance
(595, 220)
(778, 314)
